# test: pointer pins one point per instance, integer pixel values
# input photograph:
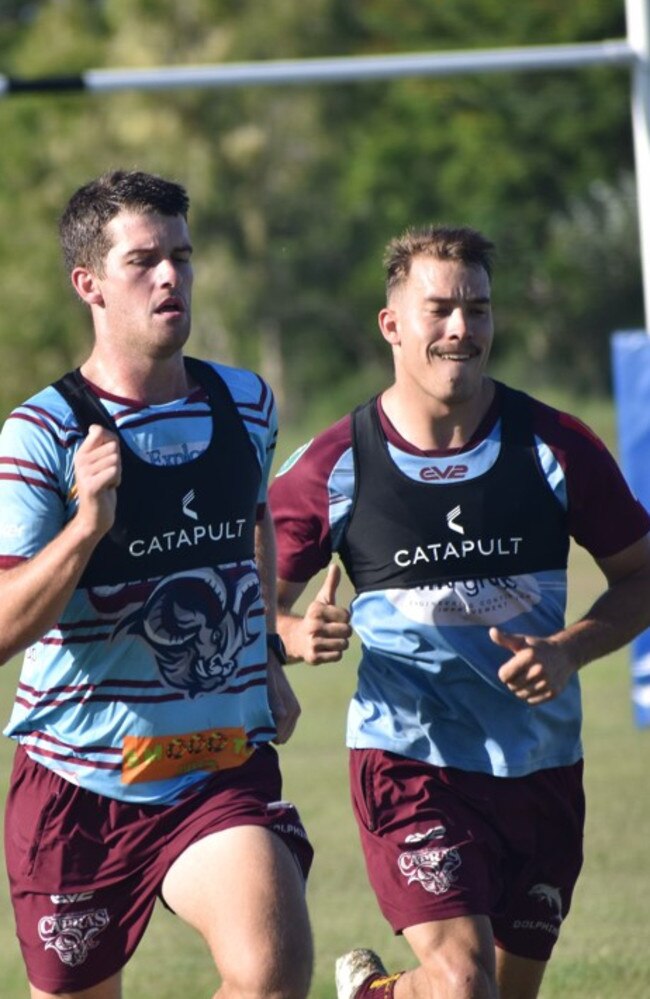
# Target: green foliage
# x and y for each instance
(296, 189)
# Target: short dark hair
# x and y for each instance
(82, 227)
(443, 242)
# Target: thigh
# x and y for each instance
(243, 890)
(543, 815)
(431, 854)
(78, 916)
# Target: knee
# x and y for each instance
(460, 976)
(268, 980)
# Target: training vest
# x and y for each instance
(175, 517)
(403, 533)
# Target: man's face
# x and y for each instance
(439, 323)
(145, 290)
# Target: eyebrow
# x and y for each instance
(442, 300)
(182, 248)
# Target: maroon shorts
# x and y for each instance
(85, 870)
(441, 843)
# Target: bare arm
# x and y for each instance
(540, 668)
(323, 634)
(284, 703)
(34, 594)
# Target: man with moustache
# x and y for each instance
(451, 500)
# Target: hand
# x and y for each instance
(284, 704)
(325, 627)
(539, 669)
(98, 471)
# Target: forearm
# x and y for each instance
(616, 617)
(292, 631)
(34, 593)
(265, 557)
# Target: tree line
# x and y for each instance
(296, 189)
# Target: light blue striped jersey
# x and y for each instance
(103, 698)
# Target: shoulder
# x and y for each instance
(45, 417)
(249, 390)
(319, 455)
(567, 435)
(604, 516)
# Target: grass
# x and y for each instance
(603, 950)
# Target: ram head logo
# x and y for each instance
(197, 623)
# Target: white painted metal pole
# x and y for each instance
(342, 69)
(638, 33)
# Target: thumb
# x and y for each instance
(327, 592)
(514, 643)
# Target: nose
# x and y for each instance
(457, 323)
(167, 273)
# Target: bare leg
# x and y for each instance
(244, 893)
(518, 977)
(456, 961)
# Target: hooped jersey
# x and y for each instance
(155, 675)
(428, 685)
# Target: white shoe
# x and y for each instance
(352, 970)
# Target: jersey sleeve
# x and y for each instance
(604, 516)
(305, 502)
(35, 478)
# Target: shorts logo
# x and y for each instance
(80, 896)
(432, 868)
(435, 832)
(550, 896)
(72, 935)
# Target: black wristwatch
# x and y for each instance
(275, 644)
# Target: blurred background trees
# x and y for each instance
(295, 190)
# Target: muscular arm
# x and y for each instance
(540, 668)
(34, 593)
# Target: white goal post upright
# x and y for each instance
(638, 35)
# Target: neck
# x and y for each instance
(437, 425)
(150, 382)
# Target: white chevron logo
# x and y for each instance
(452, 516)
(187, 499)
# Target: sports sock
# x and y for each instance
(378, 986)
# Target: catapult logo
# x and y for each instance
(454, 552)
(190, 535)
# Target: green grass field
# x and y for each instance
(603, 952)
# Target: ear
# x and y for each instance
(86, 285)
(389, 326)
